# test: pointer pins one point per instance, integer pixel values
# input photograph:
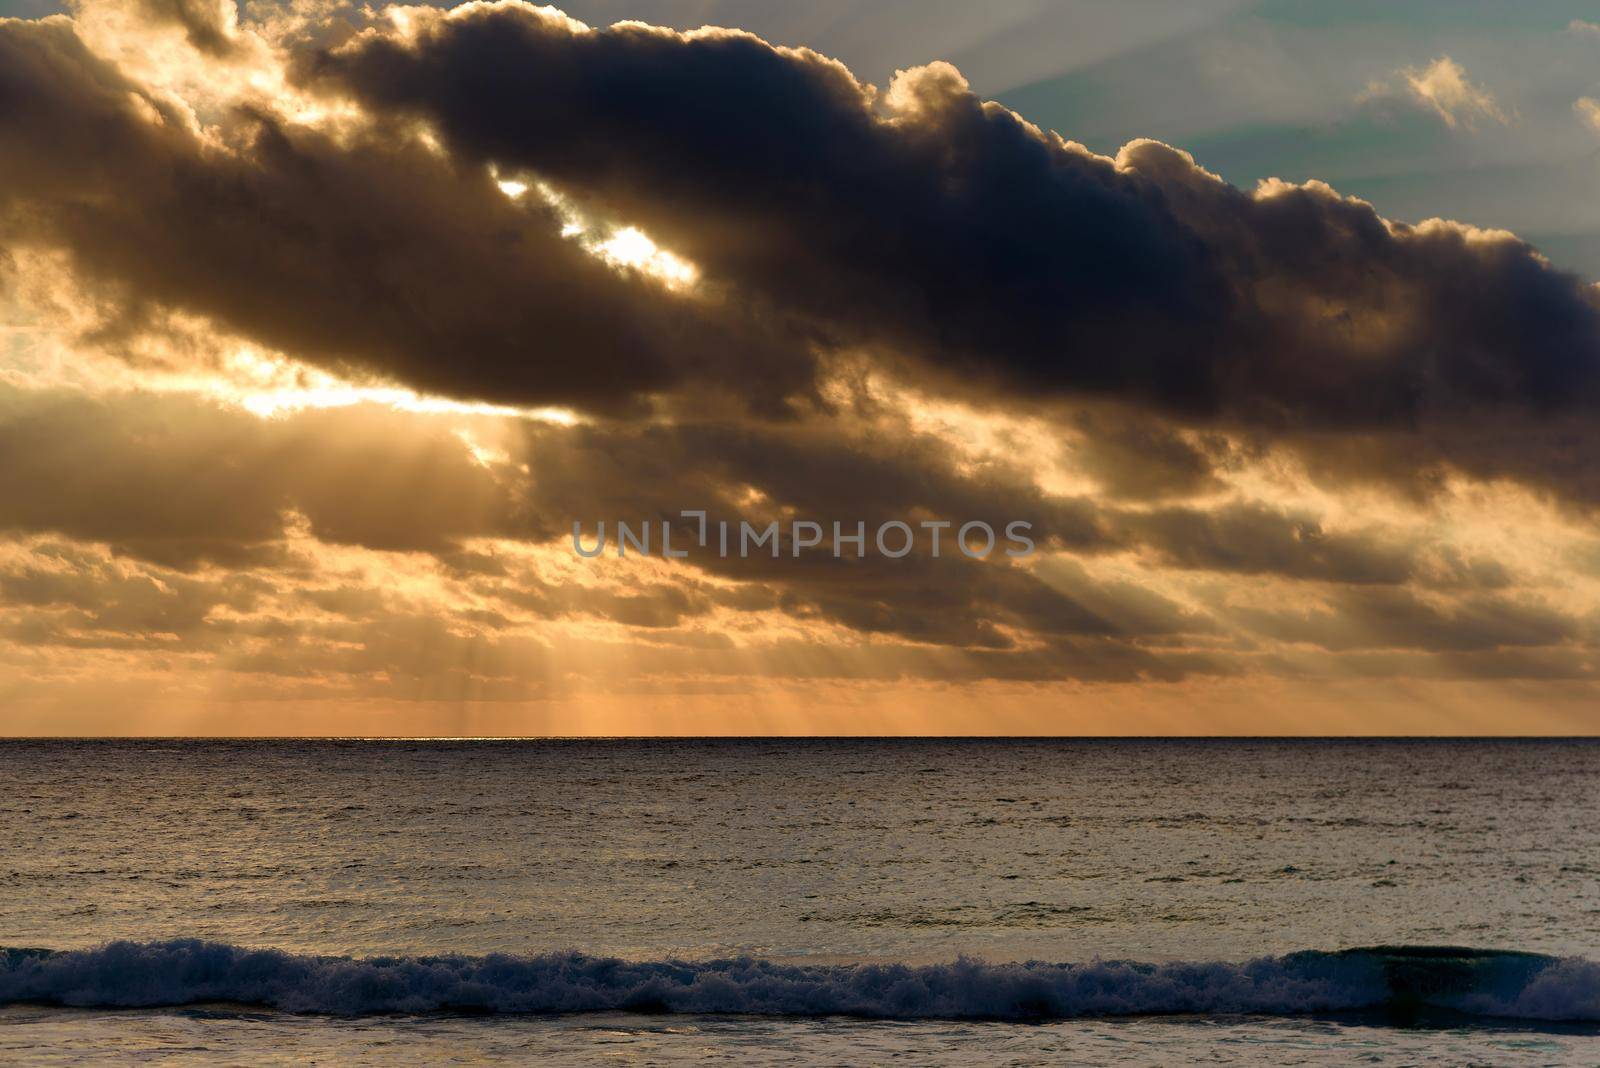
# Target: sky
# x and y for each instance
(1273, 325)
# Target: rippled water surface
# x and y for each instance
(804, 854)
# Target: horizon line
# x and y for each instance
(799, 737)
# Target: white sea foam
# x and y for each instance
(130, 974)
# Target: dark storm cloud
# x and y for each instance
(1257, 539)
(78, 597)
(922, 224)
(821, 472)
(184, 482)
(1400, 619)
(1559, 456)
(947, 229)
(371, 252)
(1135, 456)
(958, 601)
(819, 469)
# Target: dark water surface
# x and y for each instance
(812, 858)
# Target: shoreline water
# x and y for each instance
(827, 877)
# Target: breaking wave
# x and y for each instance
(142, 974)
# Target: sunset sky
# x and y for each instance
(320, 326)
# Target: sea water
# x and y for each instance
(798, 901)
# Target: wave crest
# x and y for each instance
(187, 971)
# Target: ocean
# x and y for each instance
(758, 902)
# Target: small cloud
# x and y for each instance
(1443, 88)
(1588, 109)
